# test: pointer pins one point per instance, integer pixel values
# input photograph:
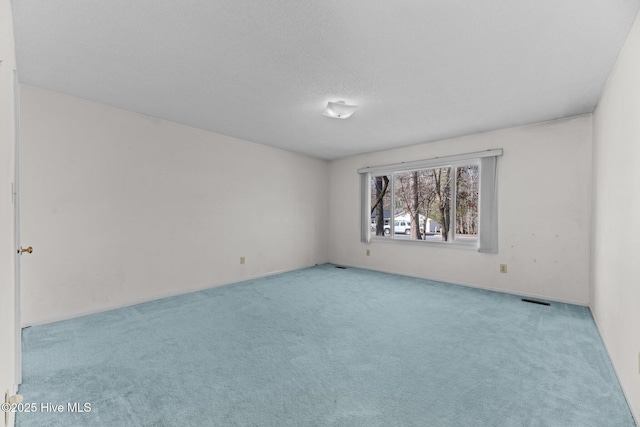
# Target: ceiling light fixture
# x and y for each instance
(339, 110)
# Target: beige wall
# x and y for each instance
(615, 286)
(7, 295)
(122, 208)
(544, 214)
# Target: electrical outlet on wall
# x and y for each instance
(241, 260)
(368, 252)
(503, 268)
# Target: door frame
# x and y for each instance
(16, 230)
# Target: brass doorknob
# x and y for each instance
(27, 250)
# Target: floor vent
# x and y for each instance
(341, 267)
(532, 301)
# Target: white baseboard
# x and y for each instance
(154, 297)
(472, 285)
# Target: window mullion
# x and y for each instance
(452, 211)
(392, 210)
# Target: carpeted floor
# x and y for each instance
(325, 347)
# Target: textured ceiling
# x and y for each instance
(264, 70)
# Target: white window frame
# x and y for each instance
(487, 241)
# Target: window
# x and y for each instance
(437, 201)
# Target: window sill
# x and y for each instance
(467, 246)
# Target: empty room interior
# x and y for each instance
(320, 213)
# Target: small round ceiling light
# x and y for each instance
(339, 110)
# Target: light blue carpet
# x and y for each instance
(326, 347)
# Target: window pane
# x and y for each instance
(408, 196)
(423, 204)
(438, 204)
(467, 190)
(380, 205)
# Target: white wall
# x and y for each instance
(120, 207)
(615, 285)
(544, 214)
(7, 128)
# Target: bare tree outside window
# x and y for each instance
(467, 198)
(380, 203)
(423, 204)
